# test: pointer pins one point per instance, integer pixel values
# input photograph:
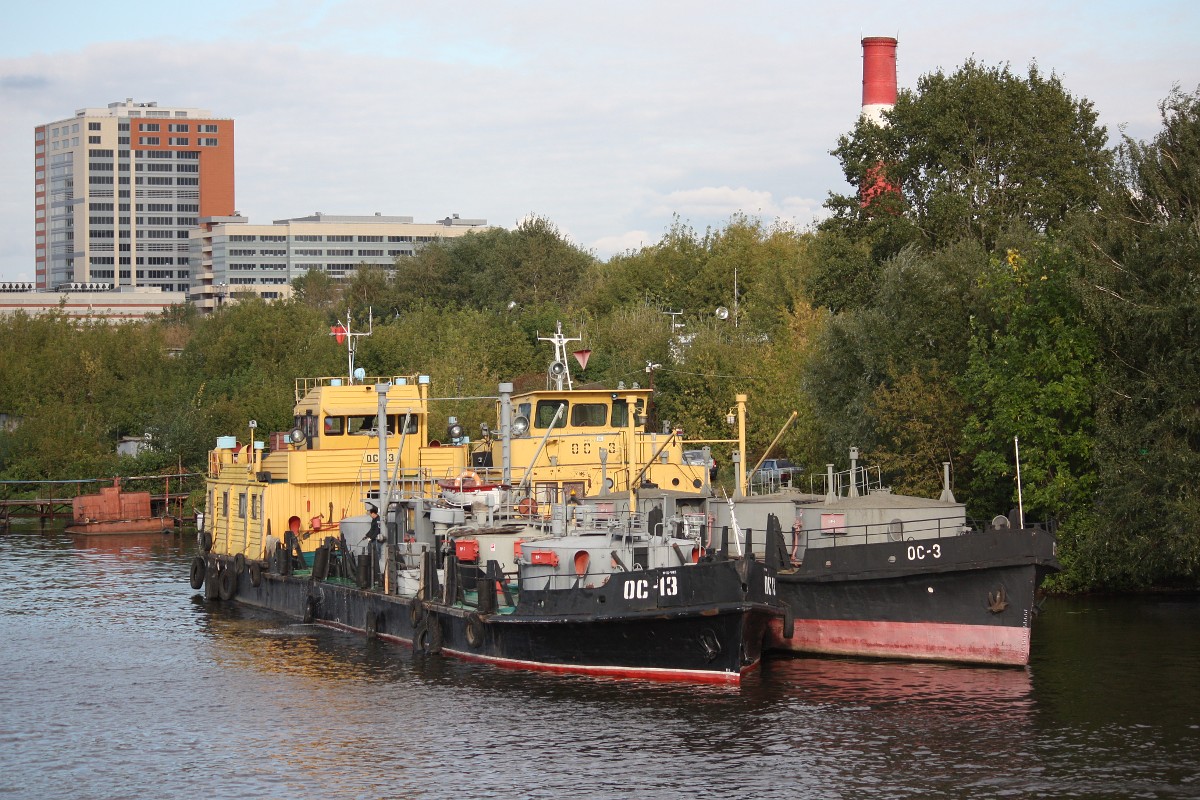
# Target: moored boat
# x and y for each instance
(883, 575)
(549, 546)
(113, 510)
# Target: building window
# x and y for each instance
(370, 252)
(147, 126)
(148, 140)
(206, 142)
(93, 140)
(178, 141)
(178, 127)
(93, 126)
(370, 238)
(206, 128)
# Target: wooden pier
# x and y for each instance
(48, 501)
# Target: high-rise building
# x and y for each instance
(118, 189)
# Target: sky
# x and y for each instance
(613, 120)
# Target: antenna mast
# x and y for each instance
(344, 333)
(559, 370)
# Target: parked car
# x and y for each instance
(777, 471)
(699, 458)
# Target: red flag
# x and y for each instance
(339, 332)
(582, 357)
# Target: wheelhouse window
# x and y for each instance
(589, 415)
(241, 505)
(620, 414)
(334, 426)
(546, 409)
(396, 421)
(362, 425)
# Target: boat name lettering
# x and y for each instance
(586, 449)
(373, 458)
(918, 552)
(639, 589)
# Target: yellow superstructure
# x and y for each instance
(596, 444)
(319, 473)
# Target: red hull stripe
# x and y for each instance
(930, 641)
(640, 673)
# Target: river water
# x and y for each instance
(118, 681)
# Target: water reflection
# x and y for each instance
(120, 681)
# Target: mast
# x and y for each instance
(560, 370)
(344, 333)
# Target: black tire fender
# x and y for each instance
(199, 568)
(227, 581)
(311, 606)
(474, 629)
(416, 612)
(427, 637)
(239, 563)
(255, 574)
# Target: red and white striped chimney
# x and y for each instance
(879, 77)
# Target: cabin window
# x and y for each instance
(395, 421)
(254, 506)
(225, 503)
(363, 426)
(334, 426)
(241, 505)
(212, 504)
(546, 409)
(589, 415)
(620, 414)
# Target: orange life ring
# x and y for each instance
(527, 507)
(467, 475)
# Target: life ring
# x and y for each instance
(474, 629)
(255, 574)
(527, 507)
(460, 482)
(198, 570)
(227, 583)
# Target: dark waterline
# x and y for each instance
(119, 682)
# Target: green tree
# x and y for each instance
(975, 151)
(1142, 296)
(1032, 375)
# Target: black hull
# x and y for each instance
(700, 639)
(971, 600)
